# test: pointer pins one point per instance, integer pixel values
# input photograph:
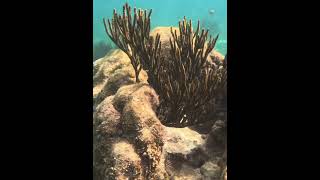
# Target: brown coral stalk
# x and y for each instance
(190, 85)
(131, 35)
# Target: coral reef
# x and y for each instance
(131, 143)
(152, 100)
(187, 83)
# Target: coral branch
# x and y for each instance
(132, 36)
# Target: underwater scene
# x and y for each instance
(160, 89)
(211, 13)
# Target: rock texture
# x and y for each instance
(110, 73)
(129, 140)
(127, 161)
(191, 155)
(210, 170)
(128, 117)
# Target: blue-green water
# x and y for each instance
(211, 13)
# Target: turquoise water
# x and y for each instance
(211, 13)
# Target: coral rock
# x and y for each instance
(217, 138)
(141, 124)
(182, 151)
(127, 161)
(112, 72)
(107, 118)
(210, 171)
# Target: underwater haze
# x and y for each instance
(211, 13)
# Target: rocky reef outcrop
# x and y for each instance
(129, 140)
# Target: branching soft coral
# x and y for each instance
(131, 35)
(186, 83)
